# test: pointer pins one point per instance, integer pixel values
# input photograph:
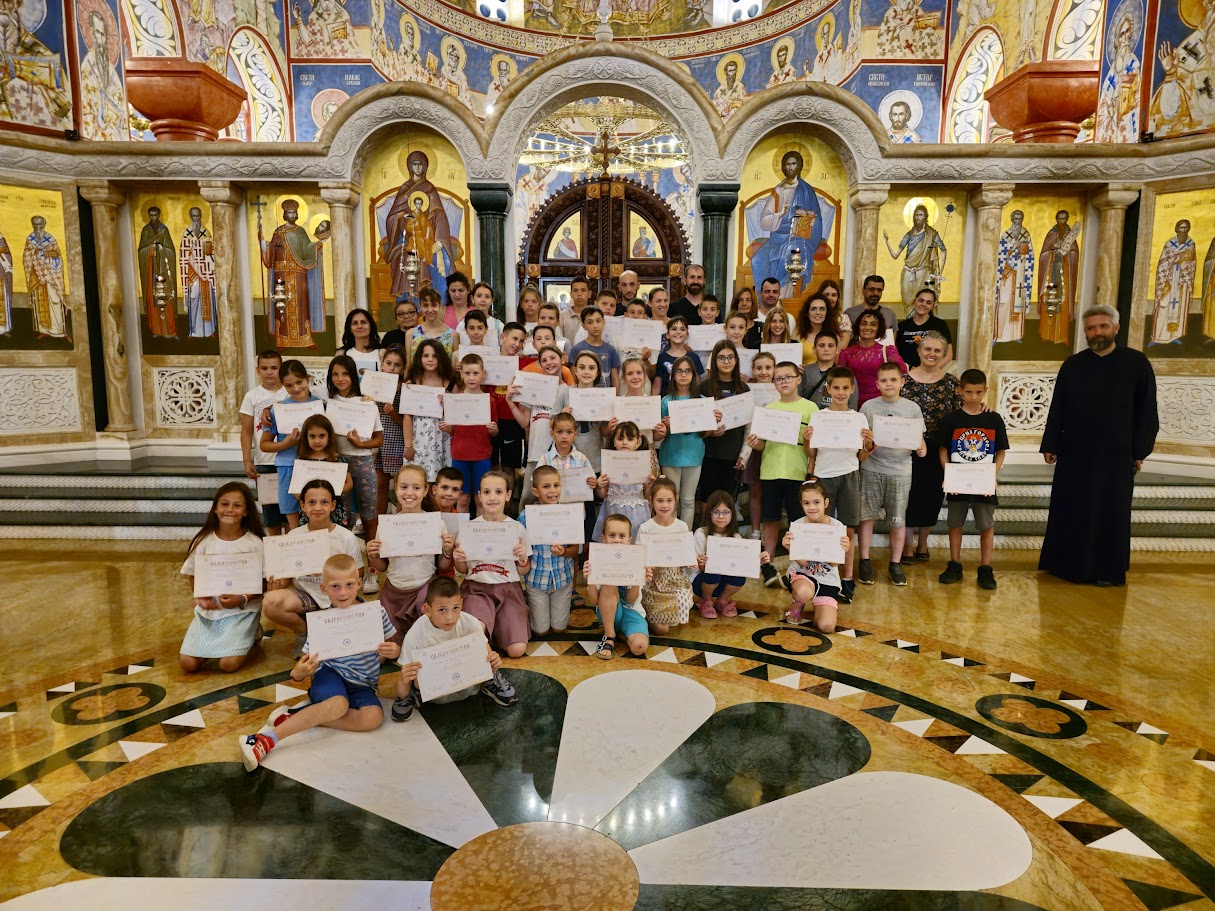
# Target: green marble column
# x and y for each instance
(492, 201)
(717, 202)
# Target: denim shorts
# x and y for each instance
(327, 683)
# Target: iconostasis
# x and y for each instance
(906, 271)
(35, 281)
(1180, 286)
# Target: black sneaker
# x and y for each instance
(864, 571)
(402, 709)
(845, 596)
(896, 574)
(771, 576)
(849, 588)
(952, 574)
(987, 578)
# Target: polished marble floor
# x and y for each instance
(1045, 746)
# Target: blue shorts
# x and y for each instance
(716, 583)
(272, 516)
(288, 504)
(627, 621)
(473, 472)
(327, 683)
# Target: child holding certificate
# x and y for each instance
(471, 445)
(425, 444)
(343, 382)
(635, 381)
(391, 454)
(589, 439)
(550, 578)
(536, 417)
(224, 626)
(511, 441)
(318, 443)
(816, 584)
(762, 368)
(405, 591)
(720, 521)
(683, 454)
(673, 348)
(444, 620)
(622, 604)
(839, 470)
(667, 596)
(287, 600)
(723, 447)
(736, 326)
(491, 587)
(252, 414)
(628, 500)
(296, 381)
(972, 436)
(430, 306)
(342, 693)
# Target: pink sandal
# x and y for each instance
(706, 609)
(794, 614)
(727, 608)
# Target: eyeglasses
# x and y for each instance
(727, 357)
(784, 379)
(684, 370)
(723, 513)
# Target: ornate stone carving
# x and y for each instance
(36, 400)
(185, 396)
(1025, 400)
(1187, 409)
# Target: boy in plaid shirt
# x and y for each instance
(550, 581)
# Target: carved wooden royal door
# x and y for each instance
(599, 228)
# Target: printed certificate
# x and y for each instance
(574, 488)
(733, 557)
(897, 433)
(535, 388)
(288, 556)
(289, 416)
(307, 469)
(341, 631)
(617, 564)
(451, 666)
(453, 522)
(481, 351)
(837, 429)
(703, 338)
(466, 409)
(816, 543)
(736, 410)
(643, 410)
(412, 534)
(591, 404)
(674, 549)
(347, 416)
(746, 357)
(776, 425)
(499, 369)
(784, 351)
(489, 542)
(977, 478)
(763, 393)
(380, 386)
(692, 415)
(642, 333)
(422, 401)
(626, 467)
(562, 524)
(267, 488)
(227, 574)
(611, 328)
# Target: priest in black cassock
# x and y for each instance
(1101, 426)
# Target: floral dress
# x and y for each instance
(627, 500)
(935, 400)
(431, 446)
(668, 597)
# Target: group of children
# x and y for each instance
(424, 464)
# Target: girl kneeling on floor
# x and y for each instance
(816, 584)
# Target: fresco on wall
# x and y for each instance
(103, 99)
(1180, 291)
(35, 90)
(903, 29)
(1183, 70)
(35, 313)
(945, 214)
(1121, 71)
(907, 99)
(1038, 277)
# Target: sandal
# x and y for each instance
(794, 613)
(605, 649)
(706, 609)
(921, 556)
(727, 608)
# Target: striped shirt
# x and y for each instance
(548, 572)
(362, 669)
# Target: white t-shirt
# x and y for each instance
(341, 541)
(248, 543)
(492, 573)
(425, 634)
(347, 448)
(364, 360)
(825, 573)
(540, 433)
(257, 400)
(411, 572)
(835, 463)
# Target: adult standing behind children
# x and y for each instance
(1101, 426)
(910, 332)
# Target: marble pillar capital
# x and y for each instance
(340, 193)
(869, 195)
(717, 198)
(220, 192)
(101, 193)
(490, 198)
(1116, 196)
(992, 195)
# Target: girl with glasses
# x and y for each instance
(723, 448)
(720, 520)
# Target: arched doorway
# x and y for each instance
(599, 227)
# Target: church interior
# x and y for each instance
(185, 184)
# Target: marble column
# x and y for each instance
(866, 200)
(717, 202)
(342, 197)
(988, 201)
(1112, 203)
(105, 200)
(492, 202)
(224, 200)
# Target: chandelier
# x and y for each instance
(587, 137)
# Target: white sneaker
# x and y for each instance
(371, 584)
(756, 535)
